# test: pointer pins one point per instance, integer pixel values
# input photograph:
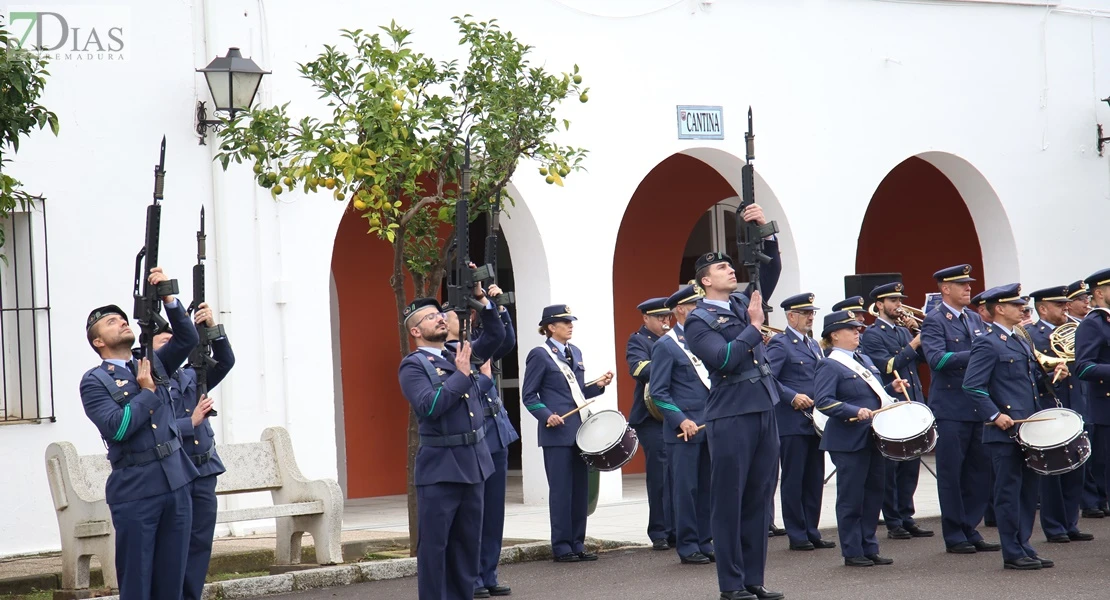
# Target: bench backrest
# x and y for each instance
(251, 467)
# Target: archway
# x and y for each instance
(663, 214)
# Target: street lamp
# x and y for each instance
(233, 82)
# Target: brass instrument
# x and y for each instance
(1062, 340)
(770, 332)
(1048, 363)
(649, 403)
(909, 316)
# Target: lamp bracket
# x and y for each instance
(1101, 140)
(203, 122)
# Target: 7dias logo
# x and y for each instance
(71, 33)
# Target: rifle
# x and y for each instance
(749, 239)
(460, 287)
(200, 359)
(487, 273)
(148, 302)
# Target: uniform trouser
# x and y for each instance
(859, 499)
(200, 542)
(493, 519)
(659, 493)
(152, 544)
(1060, 497)
(1094, 484)
(568, 482)
(900, 486)
(963, 468)
(690, 476)
(801, 487)
(449, 521)
(744, 452)
(1015, 499)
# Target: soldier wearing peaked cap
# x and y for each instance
(793, 357)
(724, 332)
(453, 461)
(554, 385)
(148, 491)
(979, 305)
(649, 427)
(1061, 494)
(894, 349)
(680, 388)
(962, 462)
(1001, 385)
(855, 304)
(1092, 360)
(1096, 502)
(847, 386)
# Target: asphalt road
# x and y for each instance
(921, 570)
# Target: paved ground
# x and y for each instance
(921, 570)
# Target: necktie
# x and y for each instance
(859, 358)
(569, 356)
(963, 321)
(131, 367)
(813, 347)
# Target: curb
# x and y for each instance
(363, 572)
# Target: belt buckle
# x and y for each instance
(470, 438)
(162, 450)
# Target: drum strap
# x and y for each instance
(703, 373)
(868, 376)
(572, 381)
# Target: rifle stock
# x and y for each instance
(749, 239)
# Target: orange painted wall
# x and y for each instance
(917, 223)
(652, 237)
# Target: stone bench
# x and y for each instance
(299, 505)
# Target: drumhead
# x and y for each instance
(600, 431)
(819, 420)
(1064, 426)
(904, 421)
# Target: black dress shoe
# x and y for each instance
(898, 533)
(802, 546)
(823, 544)
(763, 593)
(481, 592)
(985, 546)
(961, 548)
(1022, 564)
(660, 545)
(712, 556)
(1080, 536)
(990, 523)
(858, 561)
(879, 560)
(1045, 562)
(775, 531)
(1093, 513)
(696, 558)
(500, 590)
(586, 556)
(1058, 539)
(569, 557)
(916, 531)
(738, 595)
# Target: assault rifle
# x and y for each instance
(749, 239)
(200, 359)
(148, 302)
(487, 273)
(461, 280)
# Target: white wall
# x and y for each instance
(842, 92)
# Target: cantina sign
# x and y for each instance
(701, 123)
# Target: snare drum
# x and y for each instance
(1056, 446)
(606, 442)
(819, 420)
(906, 431)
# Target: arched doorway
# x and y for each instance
(675, 212)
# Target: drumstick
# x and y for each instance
(576, 410)
(1028, 420)
(876, 411)
(905, 390)
(683, 435)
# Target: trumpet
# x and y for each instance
(909, 317)
(769, 332)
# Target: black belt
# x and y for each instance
(492, 409)
(200, 459)
(751, 374)
(445, 441)
(134, 459)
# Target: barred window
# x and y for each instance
(26, 364)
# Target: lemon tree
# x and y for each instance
(22, 81)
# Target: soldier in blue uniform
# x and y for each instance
(453, 462)
(680, 387)
(548, 394)
(793, 357)
(148, 491)
(1092, 359)
(980, 306)
(1001, 382)
(724, 332)
(200, 444)
(1060, 494)
(499, 434)
(962, 462)
(847, 386)
(855, 305)
(893, 348)
(1094, 502)
(657, 321)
